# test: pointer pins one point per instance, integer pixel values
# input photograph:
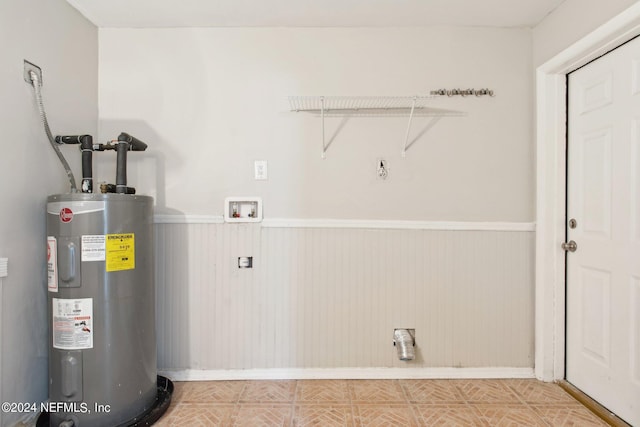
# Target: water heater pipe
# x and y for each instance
(121, 167)
(86, 146)
(126, 143)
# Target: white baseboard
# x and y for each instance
(346, 373)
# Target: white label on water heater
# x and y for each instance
(72, 323)
(52, 264)
(93, 248)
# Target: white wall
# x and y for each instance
(211, 101)
(571, 21)
(58, 39)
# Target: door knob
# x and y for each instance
(570, 246)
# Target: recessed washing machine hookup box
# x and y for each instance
(243, 209)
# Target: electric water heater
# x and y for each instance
(101, 301)
(101, 294)
(101, 307)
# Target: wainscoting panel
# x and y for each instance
(331, 297)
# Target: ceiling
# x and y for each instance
(314, 13)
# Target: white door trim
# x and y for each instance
(550, 184)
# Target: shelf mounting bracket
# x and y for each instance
(324, 147)
(406, 136)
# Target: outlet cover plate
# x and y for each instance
(260, 170)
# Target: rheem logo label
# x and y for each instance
(66, 215)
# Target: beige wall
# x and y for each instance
(57, 38)
(571, 21)
(211, 101)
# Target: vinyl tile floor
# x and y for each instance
(354, 403)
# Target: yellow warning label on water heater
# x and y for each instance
(121, 249)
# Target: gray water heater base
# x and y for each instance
(163, 400)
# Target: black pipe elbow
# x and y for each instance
(134, 143)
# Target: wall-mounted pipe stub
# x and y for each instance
(404, 341)
(245, 262)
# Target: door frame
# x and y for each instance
(551, 131)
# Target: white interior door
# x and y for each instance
(603, 197)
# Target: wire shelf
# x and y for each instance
(332, 106)
(371, 106)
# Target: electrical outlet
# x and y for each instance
(28, 67)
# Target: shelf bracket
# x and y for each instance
(324, 147)
(406, 136)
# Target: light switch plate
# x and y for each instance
(260, 170)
